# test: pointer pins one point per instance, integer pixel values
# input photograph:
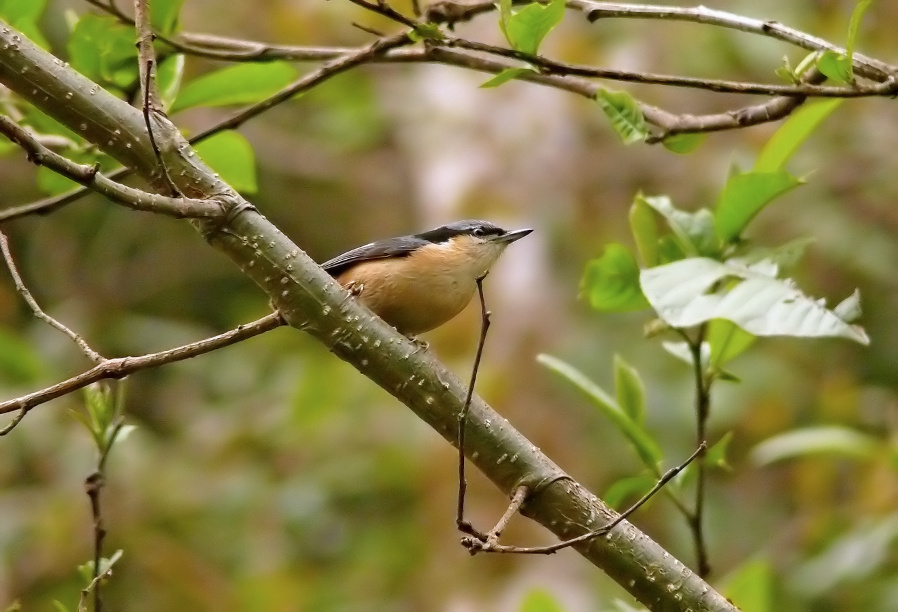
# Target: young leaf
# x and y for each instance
(240, 84)
(835, 66)
(611, 282)
(744, 196)
(526, 28)
(857, 16)
(683, 143)
(792, 134)
(727, 340)
(168, 78)
(693, 231)
(693, 291)
(645, 446)
(630, 390)
(625, 115)
(823, 440)
(506, 75)
(849, 309)
(645, 231)
(231, 156)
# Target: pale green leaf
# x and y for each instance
(751, 587)
(693, 232)
(645, 446)
(822, 440)
(506, 75)
(645, 231)
(692, 291)
(630, 390)
(683, 143)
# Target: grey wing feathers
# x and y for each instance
(383, 249)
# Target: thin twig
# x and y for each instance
(93, 485)
(460, 522)
(517, 500)
(702, 412)
(146, 58)
(12, 424)
(123, 366)
(90, 177)
(36, 309)
(475, 546)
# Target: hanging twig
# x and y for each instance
(463, 525)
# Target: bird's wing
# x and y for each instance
(383, 249)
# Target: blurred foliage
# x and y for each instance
(271, 476)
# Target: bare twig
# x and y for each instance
(89, 176)
(460, 522)
(491, 545)
(93, 485)
(123, 366)
(702, 412)
(36, 309)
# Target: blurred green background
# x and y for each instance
(272, 476)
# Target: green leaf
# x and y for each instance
(823, 440)
(240, 84)
(24, 16)
(751, 587)
(59, 606)
(693, 231)
(168, 78)
(102, 49)
(611, 282)
(540, 600)
(744, 196)
(849, 309)
(232, 157)
(645, 231)
(625, 115)
(645, 446)
(727, 340)
(717, 454)
(427, 31)
(506, 75)
(835, 66)
(692, 291)
(630, 390)
(526, 28)
(164, 15)
(631, 487)
(792, 134)
(857, 16)
(683, 143)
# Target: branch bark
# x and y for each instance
(311, 301)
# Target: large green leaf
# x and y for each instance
(611, 282)
(744, 196)
(792, 134)
(692, 291)
(526, 28)
(164, 15)
(726, 340)
(645, 446)
(625, 115)
(240, 84)
(231, 156)
(102, 49)
(24, 16)
(751, 587)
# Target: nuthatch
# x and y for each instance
(416, 283)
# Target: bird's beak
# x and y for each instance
(509, 237)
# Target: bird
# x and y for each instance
(418, 282)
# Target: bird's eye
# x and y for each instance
(479, 231)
